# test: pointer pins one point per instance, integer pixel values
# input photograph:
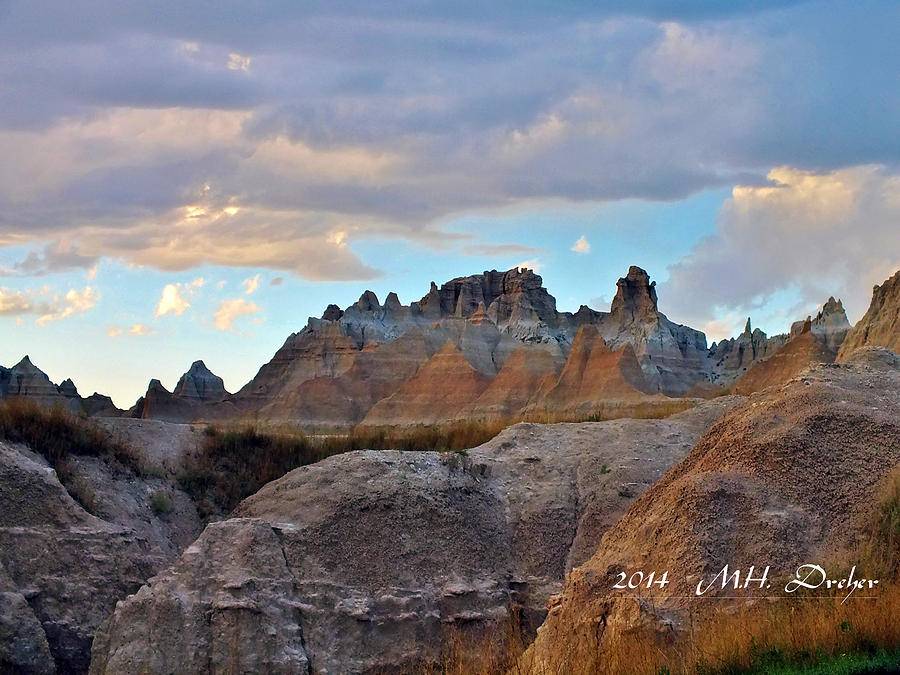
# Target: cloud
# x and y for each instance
(582, 245)
(135, 141)
(13, 303)
(497, 250)
(231, 310)
(136, 329)
(140, 329)
(276, 281)
(807, 233)
(51, 259)
(251, 284)
(175, 298)
(533, 264)
(238, 62)
(72, 303)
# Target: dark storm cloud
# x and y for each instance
(325, 122)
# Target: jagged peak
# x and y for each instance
(635, 294)
(332, 313)
(747, 328)
(156, 385)
(368, 301)
(392, 301)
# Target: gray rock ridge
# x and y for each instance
(387, 551)
(199, 384)
(830, 324)
(198, 393)
(731, 358)
(25, 380)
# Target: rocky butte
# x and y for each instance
(488, 346)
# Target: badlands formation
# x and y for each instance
(490, 347)
(371, 561)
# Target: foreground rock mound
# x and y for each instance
(388, 553)
(779, 481)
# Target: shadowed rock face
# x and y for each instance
(387, 551)
(199, 393)
(62, 570)
(27, 381)
(785, 479)
(880, 326)
(199, 384)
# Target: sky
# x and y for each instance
(185, 180)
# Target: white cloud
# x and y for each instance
(238, 62)
(14, 302)
(231, 310)
(809, 235)
(582, 245)
(251, 284)
(533, 264)
(171, 301)
(140, 329)
(92, 273)
(113, 331)
(175, 297)
(74, 302)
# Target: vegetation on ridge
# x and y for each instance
(58, 435)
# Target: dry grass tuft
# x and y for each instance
(58, 435)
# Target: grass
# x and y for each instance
(235, 463)
(58, 436)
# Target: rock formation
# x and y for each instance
(880, 325)
(27, 381)
(62, 569)
(830, 325)
(780, 479)
(441, 388)
(367, 560)
(199, 394)
(594, 373)
(314, 379)
(804, 350)
(733, 357)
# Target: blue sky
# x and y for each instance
(164, 163)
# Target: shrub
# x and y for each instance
(161, 502)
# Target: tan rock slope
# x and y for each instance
(779, 481)
(438, 390)
(801, 352)
(386, 552)
(880, 326)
